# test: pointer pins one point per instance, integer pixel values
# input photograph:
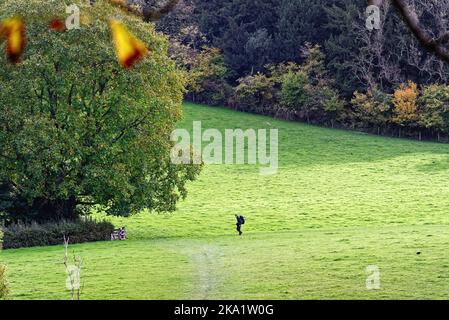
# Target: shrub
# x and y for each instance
(307, 88)
(205, 72)
(31, 235)
(215, 91)
(255, 93)
(405, 104)
(333, 105)
(317, 102)
(373, 108)
(294, 94)
(4, 289)
(433, 108)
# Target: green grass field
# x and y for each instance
(340, 201)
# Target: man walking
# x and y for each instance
(240, 221)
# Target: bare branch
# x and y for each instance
(425, 38)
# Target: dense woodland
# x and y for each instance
(314, 61)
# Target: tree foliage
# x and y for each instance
(255, 93)
(405, 104)
(433, 108)
(294, 93)
(373, 107)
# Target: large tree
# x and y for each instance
(76, 128)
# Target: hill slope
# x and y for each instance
(327, 179)
(341, 201)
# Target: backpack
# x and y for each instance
(242, 219)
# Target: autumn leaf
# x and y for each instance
(129, 49)
(56, 25)
(13, 30)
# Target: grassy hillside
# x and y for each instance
(341, 201)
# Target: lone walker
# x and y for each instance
(240, 221)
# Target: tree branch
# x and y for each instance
(425, 38)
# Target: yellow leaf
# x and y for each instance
(13, 29)
(129, 49)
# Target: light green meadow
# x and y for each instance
(340, 201)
